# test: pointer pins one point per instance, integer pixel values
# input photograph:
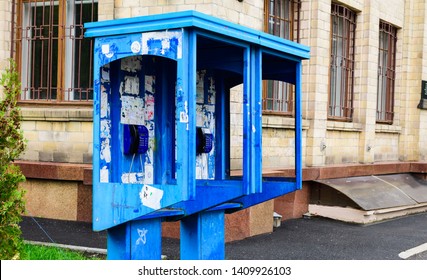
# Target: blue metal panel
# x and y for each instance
(165, 123)
(211, 193)
(222, 144)
(202, 236)
(270, 190)
(118, 203)
(195, 19)
(247, 132)
(118, 242)
(298, 127)
(256, 120)
(135, 240)
(146, 239)
(185, 132)
(96, 122)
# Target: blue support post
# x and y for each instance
(135, 240)
(146, 239)
(118, 242)
(298, 127)
(203, 236)
(247, 174)
(256, 120)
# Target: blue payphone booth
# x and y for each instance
(162, 128)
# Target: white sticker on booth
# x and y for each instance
(104, 175)
(132, 177)
(135, 47)
(131, 85)
(151, 197)
(106, 150)
(149, 174)
(104, 104)
(132, 110)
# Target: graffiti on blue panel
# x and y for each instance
(105, 125)
(142, 236)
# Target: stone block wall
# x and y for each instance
(5, 35)
(58, 135)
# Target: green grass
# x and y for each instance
(40, 252)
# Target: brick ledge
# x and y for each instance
(83, 172)
(56, 171)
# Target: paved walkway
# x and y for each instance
(299, 239)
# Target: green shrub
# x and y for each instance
(12, 144)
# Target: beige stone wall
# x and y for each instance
(106, 9)
(248, 13)
(412, 73)
(278, 147)
(236, 127)
(386, 147)
(58, 135)
(315, 33)
(5, 35)
(340, 146)
(363, 140)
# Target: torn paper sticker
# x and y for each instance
(131, 85)
(105, 127)
(151, 197)
(106, 51)
(104, 175)
(132, 110)
(106, 150)
(132, 178)
(104, 104)
(149, 174)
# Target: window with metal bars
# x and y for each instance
(343, 27)
(386, 72)
(282, 18)
(55, 58)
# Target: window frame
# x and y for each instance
(67, 42)
(280, 94)
(340, 104)
(386, 89)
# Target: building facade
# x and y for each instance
(363, 112)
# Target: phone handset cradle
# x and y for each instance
(204, 141)
(135, 139)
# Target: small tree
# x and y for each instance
(12, 144)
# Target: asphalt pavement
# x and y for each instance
(313, 238)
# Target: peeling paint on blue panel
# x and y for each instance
(205, 118)
(163, 43)
(137, 105)
(105, 125)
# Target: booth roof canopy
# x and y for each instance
(193, 19)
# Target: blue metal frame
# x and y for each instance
(134, 228)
